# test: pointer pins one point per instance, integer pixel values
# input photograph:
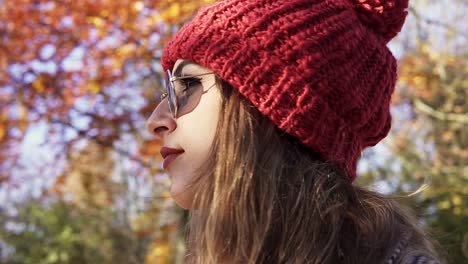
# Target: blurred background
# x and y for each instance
(81, 179)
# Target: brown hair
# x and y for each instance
(264, 198)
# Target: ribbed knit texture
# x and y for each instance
(320, 70)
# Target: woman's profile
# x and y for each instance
(268, 107)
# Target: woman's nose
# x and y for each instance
(161, 123)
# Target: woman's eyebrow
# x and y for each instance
(179, 67)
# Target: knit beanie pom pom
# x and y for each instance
(385, 17)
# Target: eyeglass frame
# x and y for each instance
(170, 79)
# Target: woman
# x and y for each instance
(268, 107)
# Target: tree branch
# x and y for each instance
(427, 109)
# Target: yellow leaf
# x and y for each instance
(444, 204)
(125, 49)
(94, 87)
(104, 13)
(434, 56)
(456, 200)
(23, 111)
(166, 194)
(190, 7)
(23, 114)
(171, 13)
(102, 32)
(38, 85)
(117, 63)
(418, 80)
(158, 253)
(97, 21)
(425, 48)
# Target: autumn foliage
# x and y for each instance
(81, 77)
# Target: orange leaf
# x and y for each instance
(150, 148)
(2, 132)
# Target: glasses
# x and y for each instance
(183, 93)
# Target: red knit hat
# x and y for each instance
(319, 69)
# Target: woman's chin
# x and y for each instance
(181, 197)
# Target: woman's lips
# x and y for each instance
(169, 158)
(169, 154)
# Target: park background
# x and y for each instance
(81, 179)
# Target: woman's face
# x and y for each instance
(187, 139)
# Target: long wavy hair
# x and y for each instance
(264, 198)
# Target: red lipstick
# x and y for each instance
(169, 154)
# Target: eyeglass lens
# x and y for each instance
(184, 94)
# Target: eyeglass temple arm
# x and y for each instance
(175, 78)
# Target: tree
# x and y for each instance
(87, 71)
(428, 141)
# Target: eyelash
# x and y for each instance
(187, 81)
